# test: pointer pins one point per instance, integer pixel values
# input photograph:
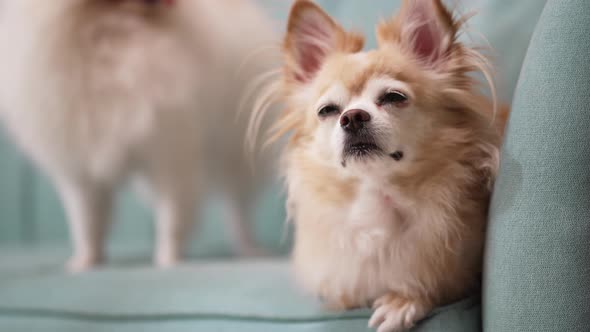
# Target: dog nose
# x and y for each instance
(354, 120)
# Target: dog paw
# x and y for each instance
(395, 314)
(82, 263)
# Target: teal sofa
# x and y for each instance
(537, 264)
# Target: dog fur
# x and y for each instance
(398, 223)
(98, 91)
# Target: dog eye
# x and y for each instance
(395, 98)
(328, 110)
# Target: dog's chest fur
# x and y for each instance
(92, 91)
(351, 249)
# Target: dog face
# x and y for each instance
(367, 111)
(383, 110)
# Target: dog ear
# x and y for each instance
(423, 27)
(311, 36)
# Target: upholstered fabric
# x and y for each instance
(208, 296)
(538, 256)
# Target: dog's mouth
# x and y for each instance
(360, 146)
(360, 150)
(363, 146)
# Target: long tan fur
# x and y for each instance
(406, 236)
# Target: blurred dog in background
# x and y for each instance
(97, 91)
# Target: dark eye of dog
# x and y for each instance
(395, 98)
(328, 110)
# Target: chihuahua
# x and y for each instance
(390, 160)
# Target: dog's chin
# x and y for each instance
(363, 152)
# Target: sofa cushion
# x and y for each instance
(201, 296)
(537, 272)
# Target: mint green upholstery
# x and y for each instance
(538, 255)
(205, 296)
(223, 295)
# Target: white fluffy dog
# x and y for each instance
(96, 91)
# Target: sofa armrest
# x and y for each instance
(537, 264)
